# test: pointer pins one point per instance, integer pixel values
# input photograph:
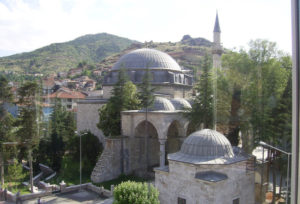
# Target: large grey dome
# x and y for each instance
(146, 58)
(207, 147)
(180, 103)
(161, 104)
(207, 143)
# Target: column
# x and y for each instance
(162, 149)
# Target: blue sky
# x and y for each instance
(26, 25)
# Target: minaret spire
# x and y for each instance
(217, 49)
(217, 25)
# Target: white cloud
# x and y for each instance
(30, 24)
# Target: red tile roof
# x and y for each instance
(66, 93)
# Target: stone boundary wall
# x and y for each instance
(63, 189)
(109, 165)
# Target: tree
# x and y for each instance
(91, 150)
(15, 172)
(146, 90)
(63, 127)
(146, 97)
(202, 107)
(29, 119)
(124, 97)
(134, 192)
(5, 96)
(256, 79)
(6, 120)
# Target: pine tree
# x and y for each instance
(202, 107)
(6, 121)
(146, 95)
(146, 91)
(5, 96)
(57, 122)
(29, 120)
(124, 97)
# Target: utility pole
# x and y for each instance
(30, 170)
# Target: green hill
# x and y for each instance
(101, 50)
(188, 52)
(63, 56)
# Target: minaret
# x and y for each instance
(217, 49)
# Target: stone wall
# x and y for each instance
(88, 117)
(180, 181)
(107, 91)
(109, 165)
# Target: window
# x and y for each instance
(236, 201)
(69, 100)
(69, 106)
(181, 200)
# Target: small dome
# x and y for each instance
(207, 143)
(146, 58)
(162, 104)
(180, 103)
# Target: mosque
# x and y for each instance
(205, 162)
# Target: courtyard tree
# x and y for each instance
(62, 126)
(202, 106)
(15, 173)
(236, 73)
(124, 97)
(6, 96)
(257, 79)
(28, 121)
(6, 121)
(146, 96)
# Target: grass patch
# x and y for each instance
(14, 187)
(120, 179)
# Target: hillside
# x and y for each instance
(63, 56)
(102, 50)
(188, 52)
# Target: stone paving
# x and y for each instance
(84, 197)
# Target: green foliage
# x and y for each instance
(134, 192)
(62, 125)
(146, 90)
(5, 96)
(259, 77)
(91, 150)
(69, 167)
(202, 107)
(124, 97)
(7, 134)
(280, 122)
(15, 172)
(63, 56)
(30, 113)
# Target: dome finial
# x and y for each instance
(217, 25)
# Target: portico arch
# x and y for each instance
(147, 144)
(173, 142)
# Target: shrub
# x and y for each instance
(135, 192)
